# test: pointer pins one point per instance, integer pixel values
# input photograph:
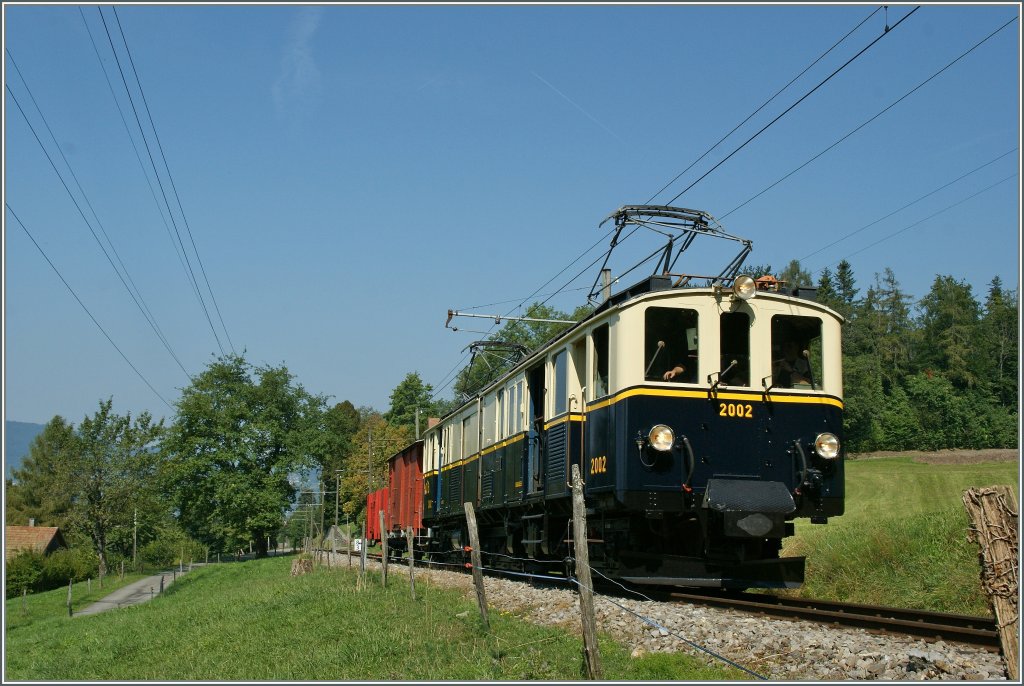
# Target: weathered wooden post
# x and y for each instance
(591, 653)
(69, 597)
(24, 600)
(478, 573)
(383, 551)
(122, 570)
(412, 562)
(161, 583)
(88, 584)
(994, 513)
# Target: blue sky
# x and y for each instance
(349, 173)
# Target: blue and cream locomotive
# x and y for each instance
(705, 419)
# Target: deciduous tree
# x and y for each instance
(240, 432)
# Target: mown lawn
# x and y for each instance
(253, 621)
(903, 539)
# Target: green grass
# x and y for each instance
(36, 607)
(252, 621)
(903, 540)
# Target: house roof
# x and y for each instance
(43, 539)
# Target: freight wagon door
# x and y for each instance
(534, 456)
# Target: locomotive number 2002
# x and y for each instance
(599, 465)
(742, 410)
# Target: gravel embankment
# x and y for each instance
(775, 648)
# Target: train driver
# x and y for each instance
(792, 368)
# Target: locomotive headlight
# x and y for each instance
(827, 446)
(661, 437)
(744, 287)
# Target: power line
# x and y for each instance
(913, 202)
(138, 156)
(763, 105)
(876, 116)
(171, 179)
(163, 192)
(931, 216)
(802, 98)
(79, 300)
(136, 299)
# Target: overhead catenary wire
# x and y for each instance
(931, 216)
(82, 304)
(170, 177)
(764, 104)
(909, 204)
(868, 121)
(147, 315)
(160, 183)
(791, 107)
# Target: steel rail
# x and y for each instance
(931, 626)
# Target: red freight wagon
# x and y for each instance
(375, 502)
(405, 486)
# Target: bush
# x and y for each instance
(23, 572)
(167, 550)
(74, 564)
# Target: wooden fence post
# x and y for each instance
(478, 573)
(383, 551)
(69, 597)
(412, 557)
(88, 585)
(591, 653)
(994, 512)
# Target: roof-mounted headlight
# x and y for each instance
(744, 287)
(827, 446)
(661, 437)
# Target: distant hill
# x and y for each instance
(18, 436)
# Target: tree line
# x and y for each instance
(251, 459)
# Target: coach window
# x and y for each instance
(499, 415)
(796, 352)
(561, 369)
(735, 341)
(600, 361)
(670, 344)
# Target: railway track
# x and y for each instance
(931, 626)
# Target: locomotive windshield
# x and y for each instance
(735, 337)
(796, 352)
(670, 344)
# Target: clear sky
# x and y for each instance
(349, 173)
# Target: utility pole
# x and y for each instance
(337, 490)
(321, 507)
(135, 536)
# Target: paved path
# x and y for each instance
(134, 593)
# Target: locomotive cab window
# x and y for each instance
(670, 344)
(796, 352)
(735, 350)
(601, 361)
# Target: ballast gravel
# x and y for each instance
(778, 649)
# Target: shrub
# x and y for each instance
(23, 572)
(74, 564)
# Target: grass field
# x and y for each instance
(903, 539)
(40, 606)
(252, 621)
